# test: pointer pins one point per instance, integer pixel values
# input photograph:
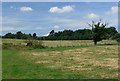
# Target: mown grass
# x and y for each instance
(17, 67)
(67, 62)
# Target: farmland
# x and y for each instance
(75, 59)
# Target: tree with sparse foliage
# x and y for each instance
(98, 31)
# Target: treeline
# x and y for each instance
(20, 35)
(81, 34)
(84, 34)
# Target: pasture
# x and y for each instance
(59, 43)
(75, 59)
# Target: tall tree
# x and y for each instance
(98, 31)
(52, 33)
(34, 35)
(19, 35)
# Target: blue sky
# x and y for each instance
(60, 0)
(42, 17)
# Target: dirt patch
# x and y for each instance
(56, 65)
(109, 62)
(77, 68)
(68, 51)
(55, 52)
(42, 61)
(82, 50)
(40, 54)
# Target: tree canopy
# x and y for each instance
(80, 34)
(100, 31)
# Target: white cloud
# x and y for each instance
(68, 22)
(64, 9)
(46, 34)
(77, 24)
(56, 26)
(26, 9)
(92, 16)
(7, 28)
(113, 10)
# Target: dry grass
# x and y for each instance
(81, 59)
(59, 43)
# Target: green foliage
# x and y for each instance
(30, 44)
(9, 35)
(34, 35)
(52, 33)
(35, 44)
(98, 31)
(116, 37)
(97, 34)
(81, 34)
(110, 32)
(6, 45)
(14, 46)
(20, 35)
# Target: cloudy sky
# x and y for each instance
(42, 17)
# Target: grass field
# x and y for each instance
(74, 60)
(59, 43)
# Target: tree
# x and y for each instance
(98, 31)
(117, 37)
(34, 35)
(30, 35)
(52, 33)
(19, 35)
(9, 35)
(110, 32)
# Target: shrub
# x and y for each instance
(118, 40)
(29, 44)
(35, 44)
(6, 45)
(14, 46)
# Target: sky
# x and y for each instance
(42, 17)
(60, 0)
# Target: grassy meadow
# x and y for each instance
(75, 59)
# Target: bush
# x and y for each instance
(6, 45)
(29, 44)
(14, 46)
(118, 40)
(35, 44)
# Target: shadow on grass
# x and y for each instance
(106, 44)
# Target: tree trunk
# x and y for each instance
(95, 42)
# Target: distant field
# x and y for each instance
(75, 60)
(58, 43)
